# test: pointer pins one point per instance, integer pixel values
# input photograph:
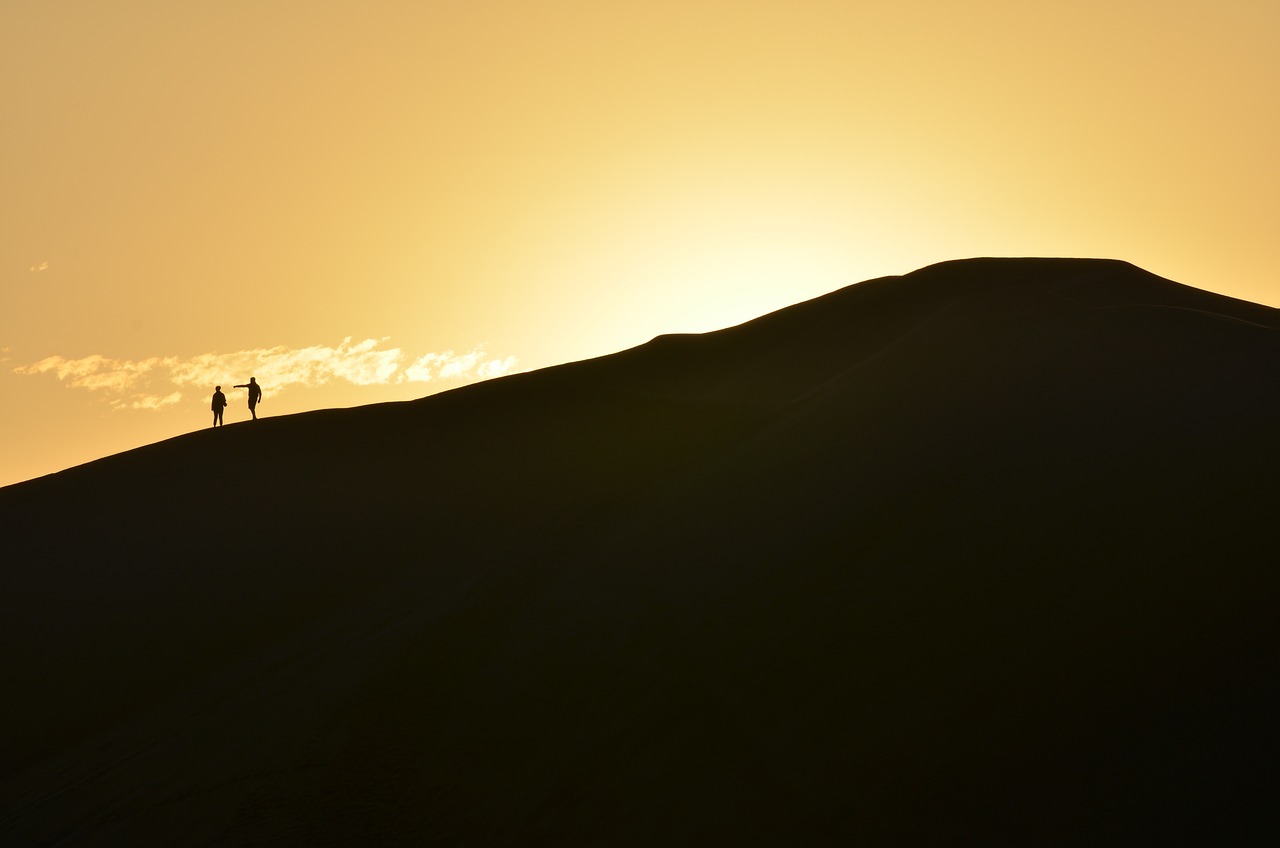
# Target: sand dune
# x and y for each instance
(979, 554)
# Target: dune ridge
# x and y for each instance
(978, 553)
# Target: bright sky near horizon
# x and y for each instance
(368, 201)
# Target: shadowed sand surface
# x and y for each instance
(983, 554)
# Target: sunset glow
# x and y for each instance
(363, 202)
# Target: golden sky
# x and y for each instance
(377, 200)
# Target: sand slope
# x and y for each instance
(977, 554)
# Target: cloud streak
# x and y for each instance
(159, 382)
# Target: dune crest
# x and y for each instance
(978, 553)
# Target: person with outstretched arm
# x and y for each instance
(255, 395)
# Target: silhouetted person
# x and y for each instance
(255, 395)
(219, 404)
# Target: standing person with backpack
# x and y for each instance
(255, 395)
(219, 404)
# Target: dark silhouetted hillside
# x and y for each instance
(983, 554)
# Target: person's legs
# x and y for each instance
(253, 410)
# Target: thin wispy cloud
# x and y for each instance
(43, 266)
(452, 366)
(152, 401)
(159, 382)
